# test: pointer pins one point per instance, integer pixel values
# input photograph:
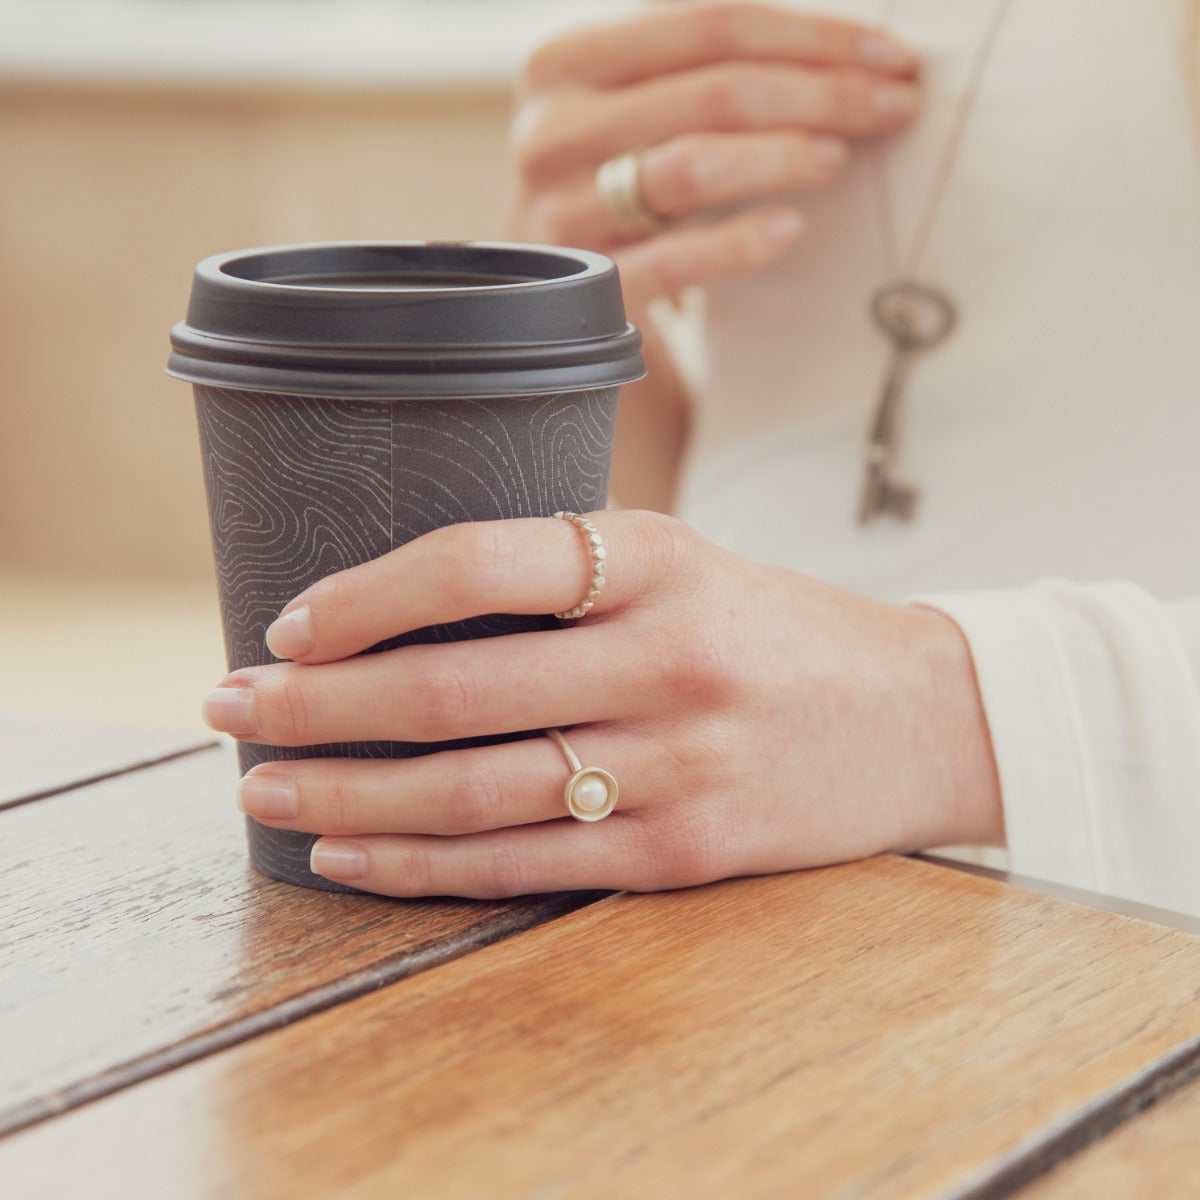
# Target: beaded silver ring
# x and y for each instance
(595, 548)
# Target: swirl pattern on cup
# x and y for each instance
(301, 487)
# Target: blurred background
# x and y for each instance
(136, 137)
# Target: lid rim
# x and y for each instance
(221, 348)
(564, 313)
(214, 268)
(390, 386)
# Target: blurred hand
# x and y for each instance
(756, 721)
(728, 104)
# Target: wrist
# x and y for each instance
(957, 781)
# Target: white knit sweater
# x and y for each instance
(1055, 436)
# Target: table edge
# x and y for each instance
(1075, 895)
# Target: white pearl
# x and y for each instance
(590, 794)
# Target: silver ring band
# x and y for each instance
(595, 547)
(618, 183)
(591, 792)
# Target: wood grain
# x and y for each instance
(39, 757)
(1075, 895)
(135, 936)
(1155, 1154)
(885, 1029)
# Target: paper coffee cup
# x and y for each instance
(352, 396)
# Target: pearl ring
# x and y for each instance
(591, 793)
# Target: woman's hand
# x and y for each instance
(727, 104)
(755, 720)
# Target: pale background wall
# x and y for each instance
(121, 164)
(108, 198)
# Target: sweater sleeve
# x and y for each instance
(1092, 696)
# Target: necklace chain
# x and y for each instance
(913, 316)
(948, 158)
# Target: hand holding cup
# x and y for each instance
(756, 720)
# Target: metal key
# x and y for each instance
(914, 317)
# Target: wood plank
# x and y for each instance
(40, 757)
(1065, 891)
(1155, 1154)
(136, 937)
(885, 1029)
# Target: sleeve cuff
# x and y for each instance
(1092, 697)
(1039, 746)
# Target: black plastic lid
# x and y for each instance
(398, 320)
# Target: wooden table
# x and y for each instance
(172, 1025)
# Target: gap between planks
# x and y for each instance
(100, 776)
(287, 1012)
(1050, 1148)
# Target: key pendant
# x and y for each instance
(913, 317)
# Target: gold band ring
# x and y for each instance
(619, 185)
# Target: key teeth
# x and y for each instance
(901, 500)
(898, 500)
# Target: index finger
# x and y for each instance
(700, 35)
(528, 566)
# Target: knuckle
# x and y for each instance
(821, 170)
(695, 846)
(474, 559)
(731, 98)
(751, 249)
(847, 101)
(703, 660)
(442, 701)
(748, 244)
(674, 546)
(680, 172)
(335, 603)
(288, 710)
(492, 552)
(341, 806)
(455, 572)
(723, 26)
(702, 666)
(704, 851)
(414, 868)
(506, 872)
(474, 800)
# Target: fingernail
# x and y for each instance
(271, 797)
(895, 100)
(784, 227)
(231, 710)
(830, 151)
(878, 50)
(291, 636)
(343, 862)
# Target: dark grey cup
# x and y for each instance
(353, 396)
